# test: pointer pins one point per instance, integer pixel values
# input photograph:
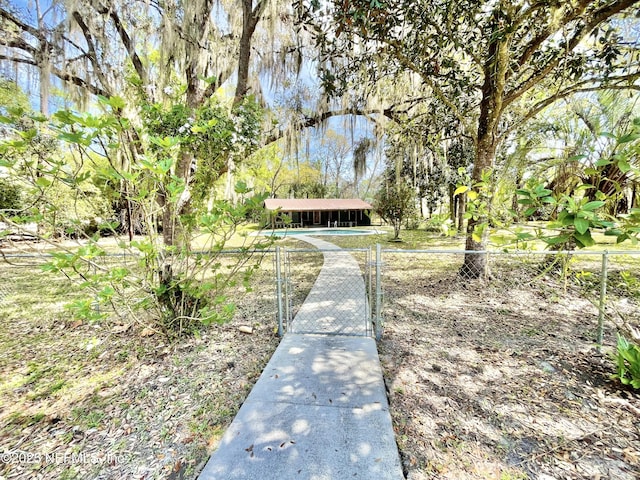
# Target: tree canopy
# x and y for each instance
(493, 64)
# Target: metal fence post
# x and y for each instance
(288, 290)
(279, 291)
(378, 292)
(603, 299)
(369, 288)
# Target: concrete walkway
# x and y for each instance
(319, 410)
(337, 302)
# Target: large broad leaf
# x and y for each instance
(524, 236)
(567, 219)
(584, 240)
(607, 135)
(592, 205)
(624, 165)
(43, 182)
(581, 225)
(603, 161)
(543, 192)
(556, 240)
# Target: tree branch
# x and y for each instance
(581, 87)
(93, 55)
(404, 60)
(126, 40)
(26, 61)
(537, 42)
(593, 20)
(20, 24)
(19, 44)
(80, 82)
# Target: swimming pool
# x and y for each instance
(318, 231)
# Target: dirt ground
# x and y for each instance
(104, 401)
(500, 380)
(107, 400)
(486, 380)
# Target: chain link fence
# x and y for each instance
(254, 300)
(600, 290)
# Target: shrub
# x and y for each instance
(627, 358)
(10, 196)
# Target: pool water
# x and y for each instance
(318, 231)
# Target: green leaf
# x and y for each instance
(208, 80)
(29, 134)
(567, 219)
(524, 236)
(543, 192)
(630, 137)
(623, 165)
(115, 102)
(587, 215)
(581, 225)
(591, 206)
(241, 187)
(165, 142)
(556, 240)
(584, 240)
(603, 161)
(621, 238)
(607, 135)
(43, 182)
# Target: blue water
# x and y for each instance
(320, 231)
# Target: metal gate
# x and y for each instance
(327, 291)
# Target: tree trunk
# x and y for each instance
(493, 88)
(250, 18)
(475, 264)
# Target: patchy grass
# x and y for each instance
(126, 405)
(493, 379)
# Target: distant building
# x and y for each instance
(318, 212)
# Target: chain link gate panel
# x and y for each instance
(325, 291)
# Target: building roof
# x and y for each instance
(315, 204)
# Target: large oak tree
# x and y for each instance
(494, 64)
